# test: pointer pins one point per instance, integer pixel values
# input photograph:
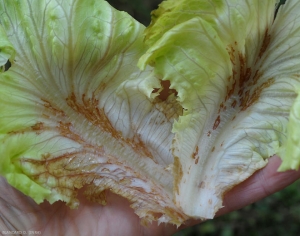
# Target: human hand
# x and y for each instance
(20, 213)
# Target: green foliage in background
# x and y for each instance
(278, 214)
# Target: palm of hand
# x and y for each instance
(20, 213)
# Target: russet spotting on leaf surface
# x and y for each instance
(170, 116)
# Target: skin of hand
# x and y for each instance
(21, 213)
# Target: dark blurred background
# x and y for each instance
(139, 9)
(278, 214)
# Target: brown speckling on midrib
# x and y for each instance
(250, 99)
(202, 185)
(53, 110)
(195, 153)
(231, 52)
(38, 126)
(233, 104)
(217, 122)
(245, 84)
(67, 177)
(178, 174)
(245, 74)
(265, 44)
(89, 108)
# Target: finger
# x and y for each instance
(260, 185)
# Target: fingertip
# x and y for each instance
(261, 184)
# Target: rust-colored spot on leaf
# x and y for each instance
(65, 131)
(178, 174)
(89, 107)
(233, 104)
(222, 108)
(255, 78)
(265, 44)
(245, 74)
(202, 185)
(230, 90)
(244, 98)
(45, 156)
(250, 99)
(38, 126)
(195, 153)
(139, 146)
(170, 107)
(217, 122)
(55, 111)
(231, 52)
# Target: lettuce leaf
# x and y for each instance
(170, 117)
(236, 73)
(75, 109)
